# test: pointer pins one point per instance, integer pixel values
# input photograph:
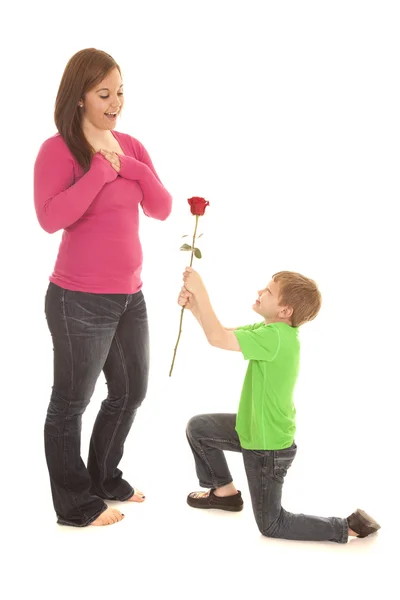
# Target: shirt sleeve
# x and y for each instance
(59, 201)
(157, 201)
(261, 343)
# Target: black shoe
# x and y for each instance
(362, 523)
(232, 503)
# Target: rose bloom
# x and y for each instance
(198, 205)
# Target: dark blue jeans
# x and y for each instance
(93, 333)
(210, 435)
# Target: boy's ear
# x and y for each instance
(287, 312)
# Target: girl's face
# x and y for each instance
(103, 103)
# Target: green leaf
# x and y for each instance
(186, 247)
(199, 236)
(185, 236)
(197, 253)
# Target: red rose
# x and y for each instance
(198, 205)
(197, 208)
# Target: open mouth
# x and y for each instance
(112, 115)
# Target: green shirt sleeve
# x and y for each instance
(261, 343)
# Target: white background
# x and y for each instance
(285, 116)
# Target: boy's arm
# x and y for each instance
(196, 314)
(187, 300)
(255, 342)
(216, 334)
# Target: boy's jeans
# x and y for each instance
(209, 435)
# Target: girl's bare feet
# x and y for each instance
(138, 496)
(108, 517)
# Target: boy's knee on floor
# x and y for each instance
(269, 533)
(268, 527)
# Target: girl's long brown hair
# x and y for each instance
(86, 69)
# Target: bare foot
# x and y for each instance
(200, 494)
(352, 533)
(221, 492)
(138, 496)
(226, 490)
(108, 517)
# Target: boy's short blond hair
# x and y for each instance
(301, 294)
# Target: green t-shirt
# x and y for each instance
(266, 418)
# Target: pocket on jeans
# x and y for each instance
(283, 460)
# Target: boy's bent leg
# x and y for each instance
(208, 436)
(266, 470)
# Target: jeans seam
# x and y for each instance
(65, 436)
(262, 496)
(69, 343)
(119, 421)
(213, 478)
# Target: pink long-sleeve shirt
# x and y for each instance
(100, 250)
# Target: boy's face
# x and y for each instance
(267, 305)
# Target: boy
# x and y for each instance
(263, 430)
